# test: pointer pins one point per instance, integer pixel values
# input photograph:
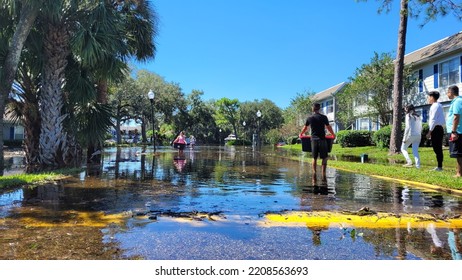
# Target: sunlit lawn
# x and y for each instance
(17, 180)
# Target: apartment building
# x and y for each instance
(436, 67)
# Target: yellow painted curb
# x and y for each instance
(377, 220)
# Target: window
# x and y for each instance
(364, 124)
(361, 100)
(416, 83)
(449, 73)
(329, 107)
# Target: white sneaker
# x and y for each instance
(437, 169)
(408, 165)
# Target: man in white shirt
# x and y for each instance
(436, 131)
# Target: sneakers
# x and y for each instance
(408, 165)
(437, 169)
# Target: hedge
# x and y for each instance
(354, 138)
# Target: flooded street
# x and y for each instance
(225, 203)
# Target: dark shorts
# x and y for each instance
(319, 148)
(179, 146)
(455, 147)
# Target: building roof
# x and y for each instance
(330, 92)
(442, 47)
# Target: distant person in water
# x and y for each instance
(180, 143)
(192, 142)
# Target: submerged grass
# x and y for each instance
(382, 164)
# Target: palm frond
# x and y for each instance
(93, 121)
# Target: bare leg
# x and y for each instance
(459, 167)
(313, 166)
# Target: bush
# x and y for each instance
(355, 138)
(238, 142)
(292, 140)
(382, 137)
(424, 142)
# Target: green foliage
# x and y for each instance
(295, 114)
(17, 180)
(273, 136)
(293, 140)
(424, 142)
(269, 121)
(382, 137)
(354, 138)
(239, 142)
(227, 113)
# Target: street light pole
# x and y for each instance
(243, 138)
(151, 99)
(219, 136)
(258, 129)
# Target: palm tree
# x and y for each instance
(24, 100)
(28, 11)
(94, 33)
(136, 22)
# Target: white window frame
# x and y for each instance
(449, 69)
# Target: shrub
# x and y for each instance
(424, 142)
(293, 140)
(238, 142)
(354, 138)
(382, 137)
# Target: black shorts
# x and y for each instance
(319, 148)
(455, 147)
(179, 146)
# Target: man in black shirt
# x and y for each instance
(318, 123)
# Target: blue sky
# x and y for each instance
(274, 49)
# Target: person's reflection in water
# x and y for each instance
(401, 235)
(455, 243)
(179, 163)
(316, 234)
(320, 188)
(436, 249)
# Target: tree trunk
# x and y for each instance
(395, 139)
(52, 135)
(32, 124)
(26, 21)
(143, 130)
(93, 148)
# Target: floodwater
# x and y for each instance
(225, 203)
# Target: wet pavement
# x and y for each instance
(215, 203)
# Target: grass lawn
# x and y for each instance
(18, 180)
(390, 166)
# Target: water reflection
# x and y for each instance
(211, 204)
